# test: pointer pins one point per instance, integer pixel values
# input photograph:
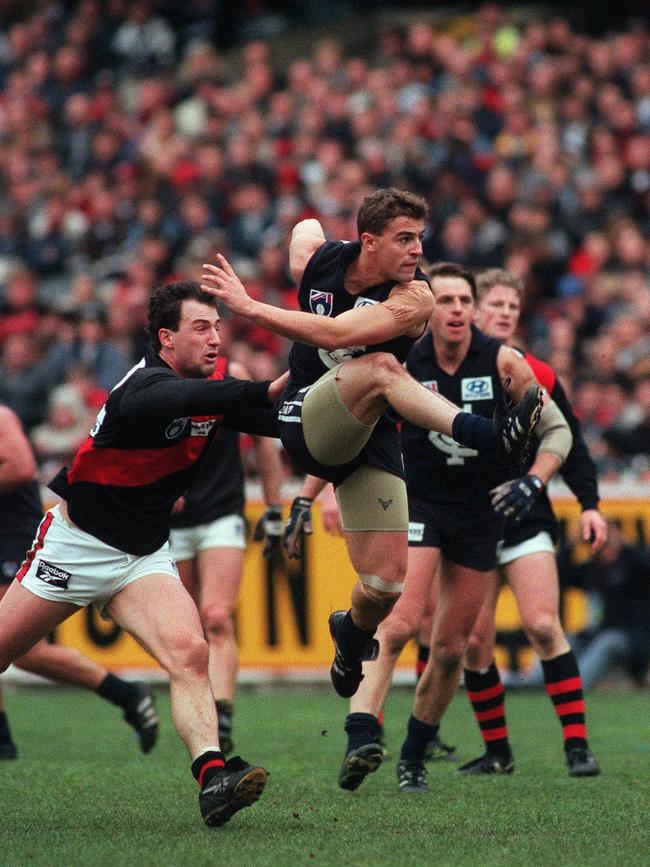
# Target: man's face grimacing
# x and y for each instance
(454, 309)
(192, 351)
(498, 312)
(396, 252)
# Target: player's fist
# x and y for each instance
(299, 522)
(269, 529)
(514, 499)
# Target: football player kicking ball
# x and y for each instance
(362, 306)
(453, 530)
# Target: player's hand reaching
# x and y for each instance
(221, 280)
(514, 498)
(593, 528)
(299, 522)
(269, 528)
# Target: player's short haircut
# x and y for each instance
(453, 269)
(487, 280)
(165, 306)
(382, 206)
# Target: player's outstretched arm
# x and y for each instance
(399, 315)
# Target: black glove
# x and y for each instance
(515, 498)
(269, 528)
(299, 522)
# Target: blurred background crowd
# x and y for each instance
(136, 142)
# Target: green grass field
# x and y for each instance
(82, 794)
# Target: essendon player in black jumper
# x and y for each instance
(107, 543)
(20, 514)
(363, 304)
(527, 560)
(453, 527)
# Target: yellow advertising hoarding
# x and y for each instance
(283, 606)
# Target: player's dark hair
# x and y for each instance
(487, 280)
(165, 306)
(382, 206)
(453, 269)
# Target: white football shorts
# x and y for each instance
(541, 542)
(227, 532)
(66, 564)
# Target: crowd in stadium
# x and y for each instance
(132, 153)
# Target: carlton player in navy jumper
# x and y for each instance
(363, 304)
(107, 543)
(20, 514)
(527, 561)
(453, 526)
(208, 541)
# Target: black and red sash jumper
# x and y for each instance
(145, 450)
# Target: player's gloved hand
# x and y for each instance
(515, 498)
(269, 528)
(299, 522)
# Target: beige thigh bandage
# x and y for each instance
(332, 434)
(380, 584)
(373, 499)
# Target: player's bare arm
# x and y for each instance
(402, 314)
(17, 464)
(306, 238)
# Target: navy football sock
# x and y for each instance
(362, 729)
(474, 431)
(418, 735)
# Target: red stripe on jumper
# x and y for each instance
(44, 526)
(570, 707)
(494, 734)
(485, 694)
(571, 684)
(132, 468)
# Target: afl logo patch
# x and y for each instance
(431, 384)
(176, 428)
(365, 302)
(476, 388)
(320, 303)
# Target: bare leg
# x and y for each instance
(161, 615)
(462, 591)
(385, 555)
(396, 630)
(370, 384)
(534, 581)
(25, 619)
(220, 571)
(480, 647)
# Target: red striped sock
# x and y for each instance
(486, 693)
(421, 662)
(206, 764)
(564, 687)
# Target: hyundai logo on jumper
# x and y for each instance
(476, 388)
(321, 303)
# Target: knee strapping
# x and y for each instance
(384, 588)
